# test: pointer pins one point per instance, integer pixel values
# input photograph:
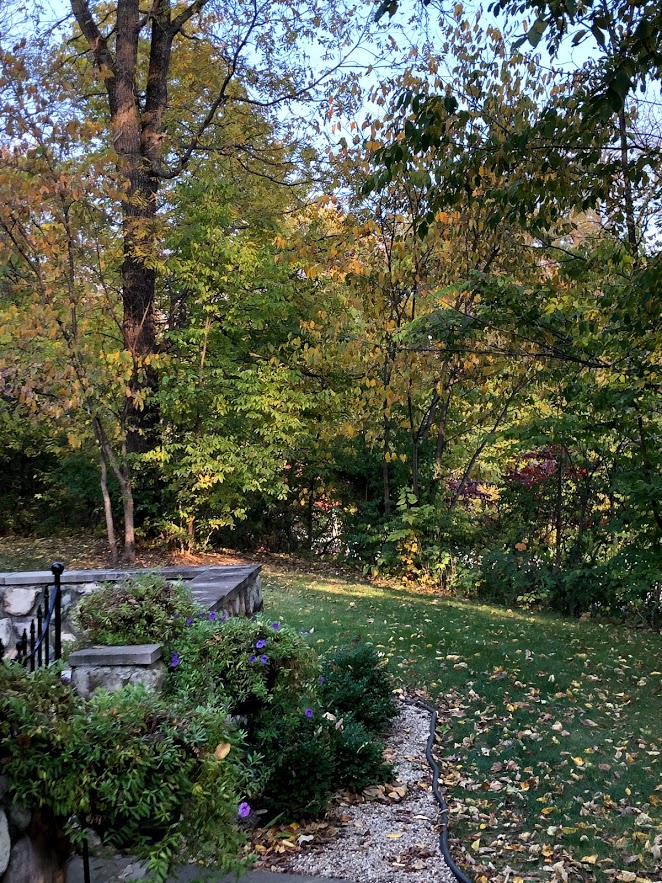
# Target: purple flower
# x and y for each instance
(322, 680)
(189, 621)
(308, 712)
(174, 660)
(212, 616)
(275, 626)
(176, 616)
(260, 644)
(244, 810)
(252, 657)
(224, 616)
(264, 659)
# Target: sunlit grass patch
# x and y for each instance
(552, 737)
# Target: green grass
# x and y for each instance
(551, 729)
(38, 553)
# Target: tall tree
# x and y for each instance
(256, 54)
(101, 118)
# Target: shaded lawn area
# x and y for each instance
(550, 729)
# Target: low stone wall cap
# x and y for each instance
(130, 654)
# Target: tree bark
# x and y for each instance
(107, 509)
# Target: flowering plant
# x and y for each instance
(242, 663)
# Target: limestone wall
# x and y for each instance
(233, 589)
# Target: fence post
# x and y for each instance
(56, 569)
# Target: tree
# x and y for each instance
(99, 146)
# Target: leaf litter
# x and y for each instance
(386, 834)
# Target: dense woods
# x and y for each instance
(257, 292)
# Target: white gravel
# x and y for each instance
(381, 840)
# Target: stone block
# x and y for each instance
(7, 636)
(20, 601)
(27, 864)
(5, 843)
(19, 818)
(29, 578)
(85, 679)
(131, 654)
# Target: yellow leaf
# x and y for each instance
(589, 859)
(222, 750)
(579, 761)
(476, 844)
(393, 836)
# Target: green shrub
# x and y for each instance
(139, 770)
(299, 762)
(358, 756)
(354, 683)
(510, 577)
(136, 610)
(241, 663)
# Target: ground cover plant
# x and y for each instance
(137, 609)
(550, 736)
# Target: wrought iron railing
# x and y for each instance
(34, 650)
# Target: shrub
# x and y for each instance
(354, 683)
(140, 771)
(299, 761)
(241, 663)
(136, 610)
(358, 756)
(510, 577)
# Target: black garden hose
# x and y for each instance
(443, 806)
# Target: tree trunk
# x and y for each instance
(108, 509)
(385, 467)
(558, 510)
(129, 551)
(309, 515)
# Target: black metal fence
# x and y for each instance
(34, 649)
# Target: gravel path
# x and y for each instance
(386, 839)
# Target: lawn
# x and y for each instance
(550, 733)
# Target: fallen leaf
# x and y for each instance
(222, 750)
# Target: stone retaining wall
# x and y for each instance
(26, 856)
(232, 589)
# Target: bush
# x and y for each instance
(140, 771)
(510, 577)
(298, 756)
(354, 683)
(241, 663)
(358, 756)
(136, 610)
